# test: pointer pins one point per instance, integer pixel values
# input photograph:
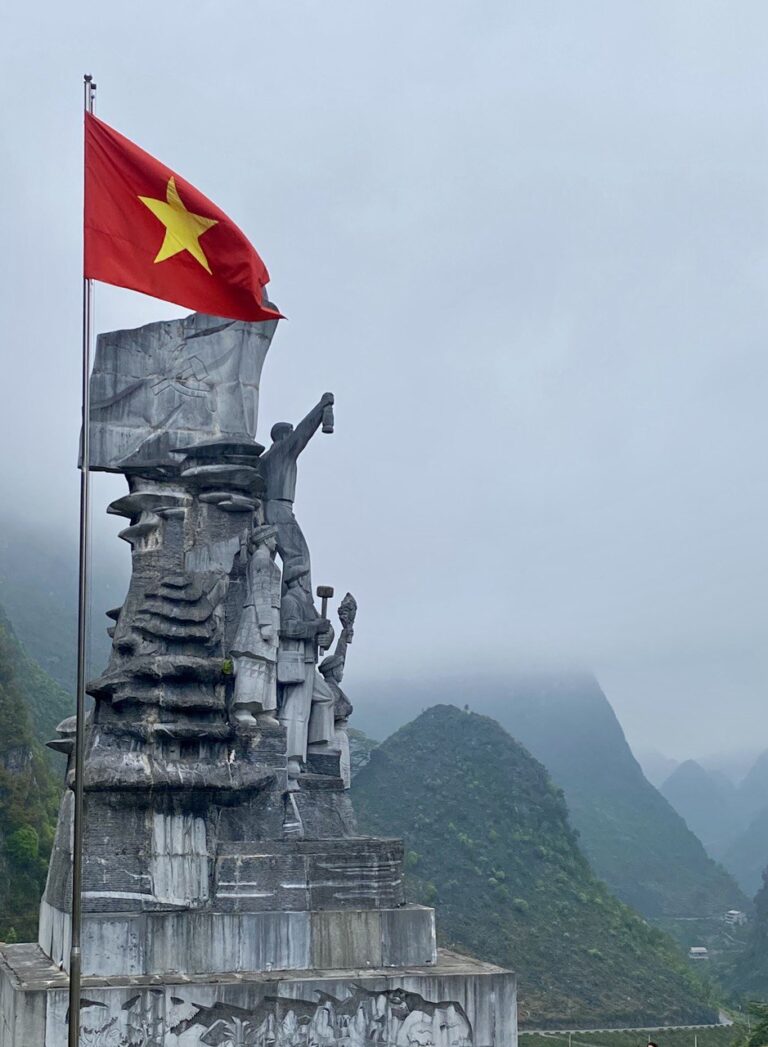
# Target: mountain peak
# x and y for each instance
(489, 842)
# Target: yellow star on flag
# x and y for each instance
(183, 229)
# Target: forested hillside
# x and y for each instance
(38, 589)
(750, 976)
(28, 791)
(633, 838)
(489, 842)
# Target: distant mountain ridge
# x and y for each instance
(707, 801)
(753, 788)
(633, 838)
(731, 820)
(656, 766)
(489, 842)
(747, 856)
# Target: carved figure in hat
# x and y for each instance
(301, 630)
(255, 647)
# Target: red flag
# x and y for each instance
(150, 230)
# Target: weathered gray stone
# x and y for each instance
(279, 469)
(255, 646)
(171, 384)
(332, 671)
(200, 942)
(458, 1002)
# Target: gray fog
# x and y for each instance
(525, 244)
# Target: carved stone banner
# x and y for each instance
(172, 384)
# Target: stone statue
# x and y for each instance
(219, 842)
(254, 650)
(332, 672)
(279, 470)
(301, 631)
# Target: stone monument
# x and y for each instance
(228, 898)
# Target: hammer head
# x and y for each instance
(325, 591)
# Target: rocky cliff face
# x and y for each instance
(489, 842)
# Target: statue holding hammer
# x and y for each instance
(302, 631)
(279, 470)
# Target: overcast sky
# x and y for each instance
(526, 245)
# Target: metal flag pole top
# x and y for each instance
(89, 92)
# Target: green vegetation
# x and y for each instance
(28, 795)
(47, 702)
(488, 841)
(713, 1036)
(725, 944)
(749, 978)
(757, 1028)
(360, 749)
(632, 837)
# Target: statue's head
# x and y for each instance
(295, 575)
(265, 535)
(280, 430)
(332, 667)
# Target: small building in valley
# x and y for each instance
(735, 918)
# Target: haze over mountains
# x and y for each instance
(636, 840)
(708, 802)
(633, 838)
(730, 819)
(38, 589)
(489, 836)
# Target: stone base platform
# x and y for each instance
(190, 942)
(458, 1002)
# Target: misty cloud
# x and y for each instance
(524, 244)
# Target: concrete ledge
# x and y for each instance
(458, 1002)
(201, 942)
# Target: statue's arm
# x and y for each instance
(263, 604)
(298, 630)
(308, 426)
(341, 645)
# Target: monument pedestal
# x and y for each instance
(457, 1002)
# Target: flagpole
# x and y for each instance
(75, 964)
